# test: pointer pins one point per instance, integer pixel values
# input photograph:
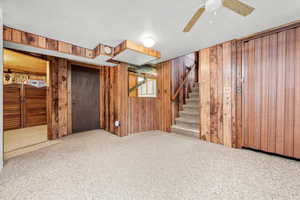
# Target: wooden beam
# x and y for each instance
(127, 44)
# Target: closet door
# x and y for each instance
(85, 99)
(35, 109)
(271, 93)
(12, 109)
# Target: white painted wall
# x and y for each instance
(1, 90)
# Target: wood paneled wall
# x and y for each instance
(114, 99)
(58, 100)
(271, 97)
(218, 96)
(135, 114)
(164, 96)
(142, 114)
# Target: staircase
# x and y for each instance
(188, 121)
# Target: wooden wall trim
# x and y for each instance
(38, 41)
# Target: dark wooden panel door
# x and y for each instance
(271, 100)
(85, 99)
(12, 111)
(35, 109)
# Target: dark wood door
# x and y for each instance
(271, 93)
(85, 99)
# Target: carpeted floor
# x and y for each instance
(154, 165)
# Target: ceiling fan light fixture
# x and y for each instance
(213, 5)
(148, 42)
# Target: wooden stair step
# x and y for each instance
(192, 132)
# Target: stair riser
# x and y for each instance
(185, 132)
(189, 116)
(194, 95)
(191, 109)
(195, 90)
(192, 101)
(193, 104)
(187, 125)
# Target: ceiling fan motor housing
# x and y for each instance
(213, 5)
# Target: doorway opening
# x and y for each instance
(25, 100)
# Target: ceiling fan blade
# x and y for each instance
(194, 19)
(238, 7)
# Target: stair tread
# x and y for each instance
(189, 112)
(191, 105)
(187, 120)
(186, 129)
(192, 99)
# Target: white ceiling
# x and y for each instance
(90, 22)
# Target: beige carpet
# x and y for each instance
(19, 138)
(154, 165)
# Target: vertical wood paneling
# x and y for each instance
(220, 93)
(52, 104)
(227, 95)
(290, 94)
(218, 75)
(233, 64)
(205, 101)
(16, 36)
(111, 100)
(69, 100)
(272, 90)
(251, 94)
(265, 94)
(245, 91)
(258, 92)
(62, 97)
(271, 66)
(142, 108)
(280, 116)
(102, 102)
(164, 96)
(239, 83)
(297, 97)
(213, 66)
(122, 99)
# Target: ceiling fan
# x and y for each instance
(212, 5)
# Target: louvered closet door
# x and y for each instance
(12, 112)
(271, 93)
(35, 109)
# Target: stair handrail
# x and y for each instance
(183, 83)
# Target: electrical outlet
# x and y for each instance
(117, 123)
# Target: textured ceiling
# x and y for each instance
(90, 22)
